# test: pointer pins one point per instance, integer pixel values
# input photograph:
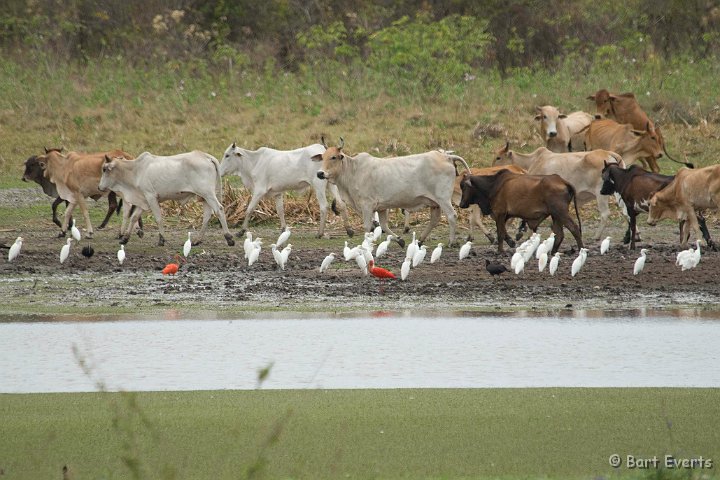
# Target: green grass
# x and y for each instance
(509, 433)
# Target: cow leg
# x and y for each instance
(501, 230)
(705, 231)
(280, 209)
(477, 218)
(434, 220)
(112, 207)
(574, 229)
(521, 230)
(632, 227)
(67, 220)
(604, 209)
(385, 225)
(135, 213)
(157, 213)
(449, 211)
(557, 229)
(213, 205)
(256, 197)
(55, 205)
(323, 205)
(406, 215)
(86, 215)
(339, 204)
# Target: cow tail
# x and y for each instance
(218, 184)
(687, 164)
(455, 159)
(571, 189)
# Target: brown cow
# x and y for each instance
(625, 141)
(530, 197)
(76, 177)
(689, 192)
(624, 108)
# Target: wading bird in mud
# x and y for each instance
(436, 253)
(65, 250)
(640, 262)
(187, 246)
(578, 262)
(465, 250)
(75, 232)
(172, 268)
(494, 268)
(405, 269)
(380, 273)
(283, 237)
(554, 261)
(15, 249)
(383, 247)
(604, 246)
(326, 262)
(121, 254)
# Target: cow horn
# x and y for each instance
(322, 140)
(342, 143)
(108, 159)
(233, 145)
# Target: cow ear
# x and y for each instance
(538, 117)
(322, 141)
(342, 143)
(562, 115)
(506, 148)
(108, 159)
(591, 97)
(233, 146)
(613, 97)
(316, 158)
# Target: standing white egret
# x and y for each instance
(419, 256)
(465, 250)
(187, 246)
(554, 261)
(405, 269)
(121, 254)
(346, 252)
(65, 250)
(696, 256)
(248, 245)
(542, 249)
(361, 262)
(583, 255)
(277, 256)
(689, 258)
(578, 262)
(412, 248)
(519, 266)
(75, 232)
(367, 253)
(285, 254)
(437, 251)
(604, 245)
(254, 252)
(326, 262)
(377, 233)
(15, 249)
(383, 247)
(542, 261)
(640, 262)
(283, 237)
(550, 242)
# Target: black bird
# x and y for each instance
(88, 251)
(494, 268)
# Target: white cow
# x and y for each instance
(560, 132)
(151, 179)
(583, 170)
(411, 182)
(267, 171)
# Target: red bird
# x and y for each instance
(379, 272)
(172, 268)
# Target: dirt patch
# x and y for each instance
(216, 277)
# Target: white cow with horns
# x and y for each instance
(411, 182)
(151, 179)
(267, 171)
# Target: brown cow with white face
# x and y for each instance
(561, 132)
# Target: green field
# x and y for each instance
(316, 434)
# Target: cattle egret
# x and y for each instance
(583, 255)
(419, 256)
(412, 248)
(353, 252)
(255, 252)
(283, 237)
(376, 218)
(689, 258)
(465, 250)
(437, 251)
(121, 254)
(517, 256)
(383, 247)
(65, 250)
(367, 253)
(187, 246)
(578, 262)
(640, 262)
(277, 256)
(346, 252)
(542, 261)
(604, 245)
(494, 268)
(15, 249)
(377, 233)
(405, 269)
(550, 242)
(696, 256)
(248, 245)
(361, 262)
(554, 261)
(542, 249)
(75, 232)
(285, 253)
(520, 266)
(326, 262)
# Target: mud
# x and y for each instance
(216, 277)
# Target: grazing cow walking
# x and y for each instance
(411, 182)
(267, 171)
(151, 179)
(625, 141)
(689, 192)
(532, 198)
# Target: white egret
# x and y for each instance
(517, 256)
(519, 266)
(405, 269)
(412, 248)
(360, 260)
(383, 247)
(247, 244)
(277, 255)
(346, 252)
(542, 261)
(604, 246)
(121, 254)
(419, 256)
(550, 242)
(254, 252)
(465, 250)
(75, 232)
(640, 262)
(283, 237)
(285, 254)
(65, 250)
(554, 261)
(578, 262)
(437, 251)
(326, 262)
(542, 249)
(187, 246)
(15, 249)
(377, 233)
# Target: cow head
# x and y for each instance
(662, 205)
(649, 142)
(106, 179)
(333, 160)
(548, 117)
(33, 170)
(602, 103)
(474, 192)
(231, 159)
(503, 156)
(608, 185)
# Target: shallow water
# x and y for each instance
(374, 350)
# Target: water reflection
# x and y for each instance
(384, 350)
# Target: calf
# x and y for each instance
(559, 131)
(690, 191)
(532, 198)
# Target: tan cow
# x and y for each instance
(691, 191)
(582, 170)
(624, 108)
(627, 142)
(76, 177)
(560, 132)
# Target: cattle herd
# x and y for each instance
(585, 158)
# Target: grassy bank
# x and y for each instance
(557, 433)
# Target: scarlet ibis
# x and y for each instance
(604, 245)
(405, 269)
(283, 237)
(465, 250)
(640, 262)
(187, 246)
(121, 254)
(326, 262)
(419, 256)
(494, 268)
(15, 249)
(383, 247)
(65, 250)
(380, 272)
(437, 251)
(554, 261)
(75, 232)
(172, 268)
